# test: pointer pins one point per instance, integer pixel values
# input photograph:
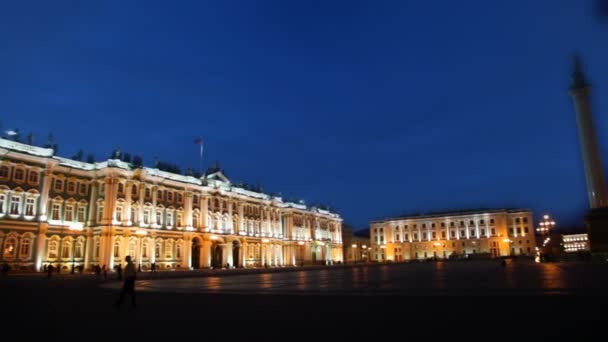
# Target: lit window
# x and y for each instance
(65, 249)
(99, 213)
(25, 247)
(2, 203)
(78, 250)
(157, 250)
(29, 206)
(9, 248)
(159, 217)
(195, 220)
(81, 214)
(52, 249)
(119, 213)
(69, 213)
(116, 249)
(15, 204)
(146, 216)
(169, 219)
(144, 251)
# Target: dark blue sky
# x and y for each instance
(376, 108)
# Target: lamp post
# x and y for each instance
(544, 227)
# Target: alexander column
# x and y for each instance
(597, 218)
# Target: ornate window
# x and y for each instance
(133, 213)
(26, 244)
(159, 195)
(132, 246)
(168, 249)
(148, 193)
(19, 175)
(178, 251)
(55, 212)
(15, 204)
(83, 188)
(29, 206)
(117, 249)
(96, 250)
(65, 249)
(157, 250)
(119, 213)
(159, 217)
(121, 188)
(146, 216)
(179, 198)
(79, 248)
(99, 213)
(71, 187)
(144, 250)
(9, 248)
(53, 249)
(178, 222)
(169, 219)
(2, 203)
(69, 213)
(134, 191)
(81, 214)
(58, 185)
(170, 196)
(4, 171)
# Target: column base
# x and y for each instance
(596, 222)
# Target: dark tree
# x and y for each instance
(138, 161)
(90, 159)
(126, 157)
(79, 155)
(30, 139)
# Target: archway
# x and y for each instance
(216, 256)
(235, 253)
(196, 254)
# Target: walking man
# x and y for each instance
(128, 286)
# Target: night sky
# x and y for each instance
(374, 108)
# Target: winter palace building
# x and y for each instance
(493, 233)
(65, 213)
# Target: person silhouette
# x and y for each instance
(119, 271)
(49, 271)
(128, 286)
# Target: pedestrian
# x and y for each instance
(5, 269)
(119, 271)
(128, 286)
(49, 271)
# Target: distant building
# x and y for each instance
(490, 233)
(575, 243)
(356, 245)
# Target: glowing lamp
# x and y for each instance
(141, 232)
(213, 237)
(265, 240)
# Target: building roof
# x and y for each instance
(465, 212)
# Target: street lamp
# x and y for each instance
(543, 229)
(354, 246)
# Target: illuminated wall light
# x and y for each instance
(141, 232)
(213, 237)
(265, 240)
(300, 243)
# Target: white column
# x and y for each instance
(142, 200)
(241, 224)
(126, 215)
(40, 246)
(111, 185)
(44, 196)
(187, 209)
(204, 212)
(88, 249)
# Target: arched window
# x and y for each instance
(65, 249)
(133, 191)
(4, 171)
(15, 204)
(33, 177)
(132, 245)
(96, 251)
(178, 251)
(168, 249)
(117, 249)
(121, 188)
(79, 249)
(25, 247)
(19, 175)
(118, 213)
(53, 249)
(144, 250)
(10, 248)
(157, 250)
(2, 203)
(29, 206)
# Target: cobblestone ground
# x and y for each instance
(464, 299)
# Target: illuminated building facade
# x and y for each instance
(575, 242)
(65, 213)
(492, 233)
